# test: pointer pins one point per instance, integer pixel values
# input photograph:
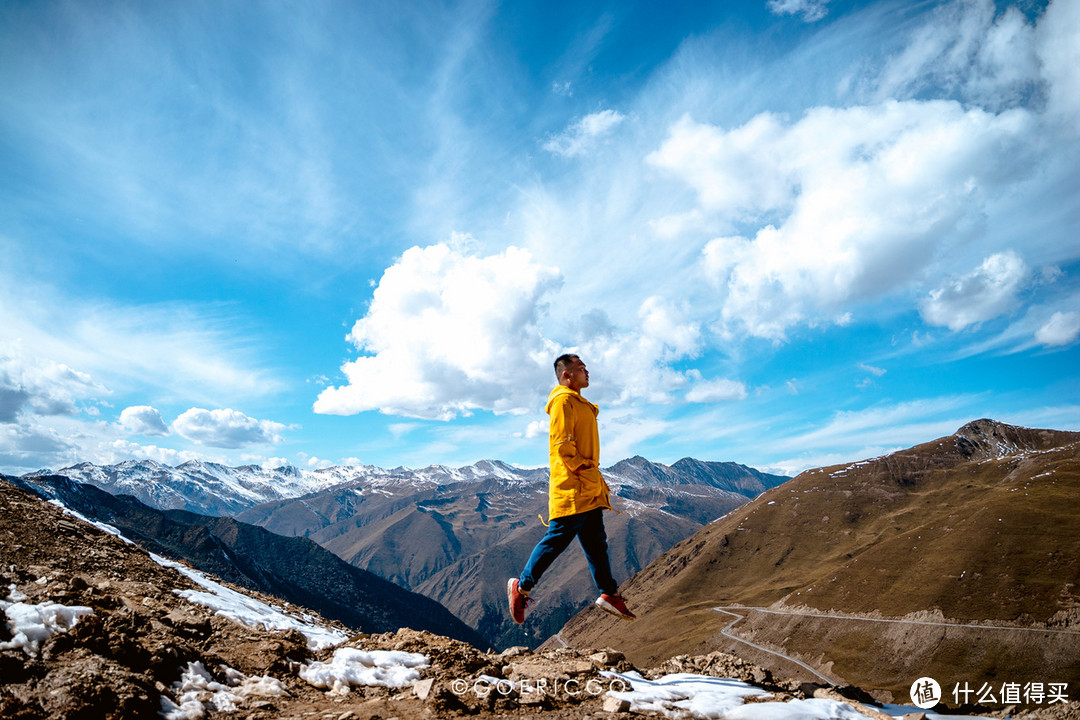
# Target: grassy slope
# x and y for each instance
(944, 525)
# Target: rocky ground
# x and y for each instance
(140, 650)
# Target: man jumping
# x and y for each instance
(577, 493)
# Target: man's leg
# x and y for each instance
(593, 539)
(559, 534)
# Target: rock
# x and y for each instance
(515, 651)
(614, 704)
(607, 657)
(422, 688)
(534, 669)
(833, 694)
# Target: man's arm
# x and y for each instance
(562, 435)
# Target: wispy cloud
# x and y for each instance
(584, 133)
(810, 10)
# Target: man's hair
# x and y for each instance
(562, 362)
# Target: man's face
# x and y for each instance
(577, 374)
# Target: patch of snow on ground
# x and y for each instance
(104, 527)
(249, 611)
(351, 666)
(31, 625)
(684, 695)
(197, 691)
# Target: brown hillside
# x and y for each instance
(978, 527)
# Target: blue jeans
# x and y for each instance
(588, 527)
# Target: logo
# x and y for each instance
(925, 693)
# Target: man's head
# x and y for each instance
(571, 372)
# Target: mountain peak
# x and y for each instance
(992, 438)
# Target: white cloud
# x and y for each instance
(32, 386)
(535, 429)
(566, 88)
(30, 446)
(201, 353)
(1061, 329)
(581, 135)
(1058, 48)
(143, 420)
(850, 204)
(448, 333)
(622, 434)
(988, 291)
(226, 428)
(900, 425)
(811, 10)
(712, 391)
(969, 50)
(628, 364)
(875, 371)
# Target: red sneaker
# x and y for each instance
(615, 605)
(519, 600)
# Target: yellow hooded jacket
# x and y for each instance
(573, 441)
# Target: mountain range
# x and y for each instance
(452, 534)
(957, 559)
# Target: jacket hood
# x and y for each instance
(557, 391)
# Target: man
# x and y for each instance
(577, 493)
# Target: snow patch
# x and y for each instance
(31, 625)
(351, 666)
(686, 695)
(249, 611)
(104, 527)
(197, 692)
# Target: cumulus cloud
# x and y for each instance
(143, 420)
(811, 10)
(226, 428)
(849, 203)
(581, 135)
(635, 363)
(448, 333)
(987, 292)
(1062, 328)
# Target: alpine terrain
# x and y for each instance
(94, 626)
(957, 559)
(452, 534)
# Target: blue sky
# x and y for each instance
(788, 233)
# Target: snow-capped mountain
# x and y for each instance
(213, 489)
